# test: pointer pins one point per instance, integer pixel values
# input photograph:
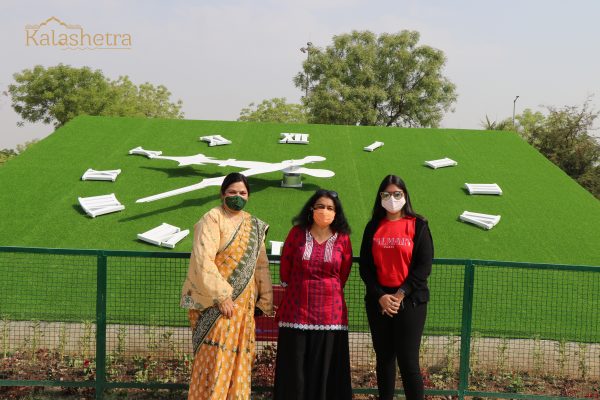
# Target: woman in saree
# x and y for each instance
(228, 281)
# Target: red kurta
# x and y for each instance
(315, 275)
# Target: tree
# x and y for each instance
(529, 121)
(7, 154)
(562, 136)
(60, 93)
(525, 123)
(591, 180)
(564, 139)
(364, 79)
(146, 100)
(274, 110)
(503, 125)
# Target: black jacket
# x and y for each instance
(415, 285)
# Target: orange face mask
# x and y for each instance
(323, 217)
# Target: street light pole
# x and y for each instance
(514, 105)
(307, 51)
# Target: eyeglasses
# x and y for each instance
(386, 195)
(322, 192)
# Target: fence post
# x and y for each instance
(101, 326)
(465, 335)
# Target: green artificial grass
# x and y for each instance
(546, 217)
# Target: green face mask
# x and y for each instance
(235, 202)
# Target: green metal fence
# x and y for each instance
(111, 319)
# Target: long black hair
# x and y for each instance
(379, 212)
(305, 218)
(233, 178)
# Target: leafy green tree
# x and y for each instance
(528, 122)
(60, 93)
(7, 154)
(503, 125)
(145, 100)
(563, 137)
(525, 123)
(591, 180)
(364, 79)
(274, 110)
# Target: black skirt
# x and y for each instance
(312, 364)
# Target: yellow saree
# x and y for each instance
(227, 261)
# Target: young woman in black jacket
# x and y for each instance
(395, 262)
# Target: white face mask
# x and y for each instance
(392, 205)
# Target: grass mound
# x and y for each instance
(546, 216)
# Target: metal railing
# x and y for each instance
(111, 319)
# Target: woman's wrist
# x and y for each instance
(224, 301)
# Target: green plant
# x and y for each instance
(474, 352)
(62, 341)
(439, 381)
(169, 376)
(144, 367)
(111, 368)
(5, 335)
(372, 358)
(187, 362)
(141, 373)
(115, 363)
(121, 342)
(89, 366)
(450, 356)
(562, 356)
(538, 356)
(169, 342)
(515, 383)
(582, 362)
(85, 342)
(153, 339)
(424, 351)
(35, 338)
(502, 355)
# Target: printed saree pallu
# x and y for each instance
(224, 348)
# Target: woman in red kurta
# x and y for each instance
(312, 349)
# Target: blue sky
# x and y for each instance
(218, 56)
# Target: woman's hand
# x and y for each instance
(389, 304)
(226, 308)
